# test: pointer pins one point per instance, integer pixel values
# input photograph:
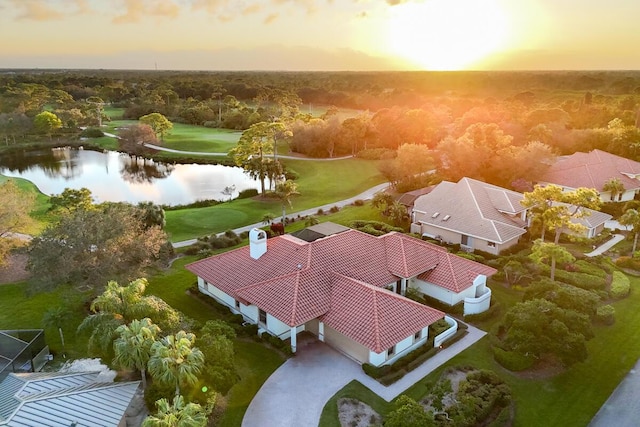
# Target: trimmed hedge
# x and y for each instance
(248, 193)
(620, 285)
(581, 280)
(511, 360)
(628, 262)
(606, 315)
(494, 309)
(589, 268)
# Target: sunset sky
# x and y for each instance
(320, 34)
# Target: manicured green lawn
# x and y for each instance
(19, 310)
(39, 214)
(199, 138)
(254, 367)
(571, 398)
(320, 183)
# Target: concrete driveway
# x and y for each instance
(295, 394)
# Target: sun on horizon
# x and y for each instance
(444, 35)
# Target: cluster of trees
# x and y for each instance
(143, 333)
(91, 241)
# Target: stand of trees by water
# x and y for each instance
(509, 123)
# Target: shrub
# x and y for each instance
(320, 211)
(358, 202)
(632, 263)
(589, 268)
(494, 309)
(334, 209)
(92, 133)
(512, 361)
(291, 175)
(581, 280)
(156, 391)
(620, 285)
(248, 193)
(606, 315)
(439, 327)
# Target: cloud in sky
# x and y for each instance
(135, 10)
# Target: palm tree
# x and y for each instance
(176, 414)
(632, 218)
(175, 360)
(119, 305)
(311, 220)
(55, 318)
(284, 192)
(133, 347)
(382, 201)
(398, 214)
(267, 218)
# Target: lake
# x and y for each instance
(120, 177)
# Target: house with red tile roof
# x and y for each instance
(593, 170)
(347, 289)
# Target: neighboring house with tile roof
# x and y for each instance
(472, 213)
(481, 216)
(346, 288)
(53, 399)
(593, 170)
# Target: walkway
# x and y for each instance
(200, 153)
(606, 246)
(368, 194)
(295, 394)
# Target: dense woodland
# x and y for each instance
(501, 127)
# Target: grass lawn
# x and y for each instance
(318, 185)
(199, 138)
(39, 214)
(21, 311)
(571, 398)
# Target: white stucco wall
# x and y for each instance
(445, 295)
(453, 237)
(402, 348)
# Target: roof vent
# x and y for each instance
(299, 266)
(435, 215)
(446, 217)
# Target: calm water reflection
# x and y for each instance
(119, 177)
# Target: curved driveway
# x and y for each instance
(295, 394)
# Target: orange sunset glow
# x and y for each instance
(319, 35)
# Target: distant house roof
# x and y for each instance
(593, 170)
(473, 208)
(297, 281)
(55, 399)
(408, 198)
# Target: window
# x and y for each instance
(262, 316)
(391, 351)
(417, 335)
(491, 244)
(465, 240)
(237, 305)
